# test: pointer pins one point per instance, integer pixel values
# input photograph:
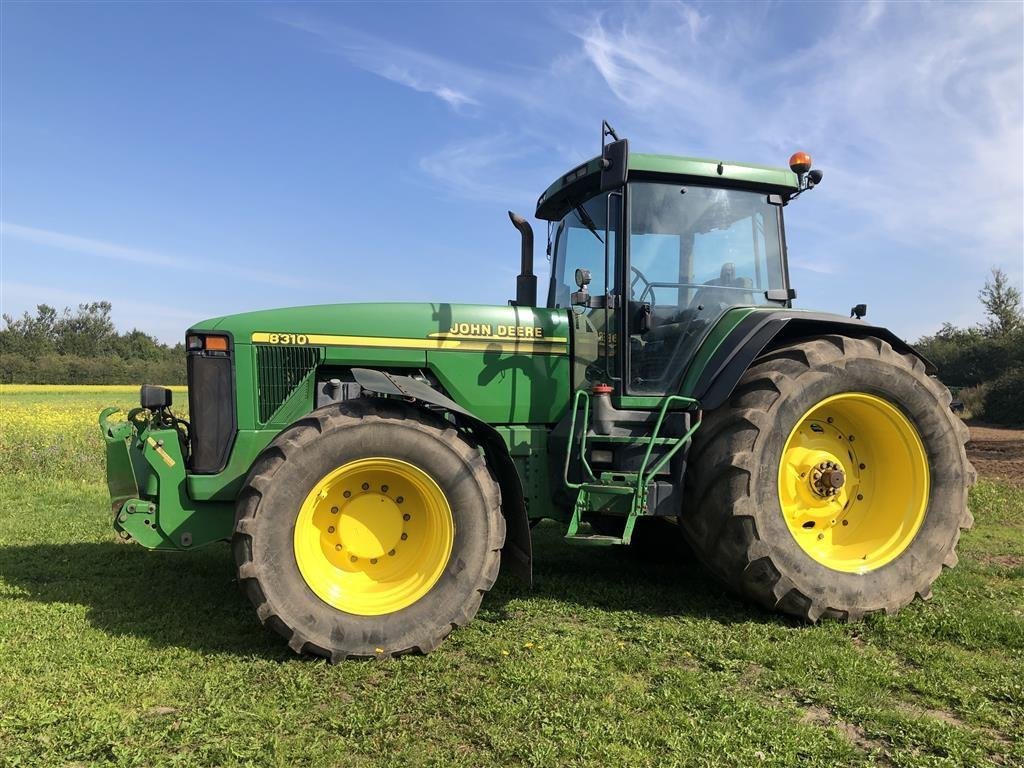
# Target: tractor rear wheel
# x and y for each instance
(833, 484)
(368, 528)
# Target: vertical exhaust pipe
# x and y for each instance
(526, 282)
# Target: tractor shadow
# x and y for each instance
(191, 600)
(186, 600)
(658, 575)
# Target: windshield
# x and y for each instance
(694, 252)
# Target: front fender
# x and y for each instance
(517, 553)
(760, 331)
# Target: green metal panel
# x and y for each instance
(692, 166)
(719, 333)
(162, 516)
(528, 446)
(504, 389)
(583, 180)
(505, 364)
(224, 486)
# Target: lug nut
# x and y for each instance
(346, 494)
(405, 536)
(337, 547)
(407, 517)
(383, 489)
(391, 553)
(399, 500)
(860, 497)
(863, 466)
(353, 558)
(366, 486)
(330, 529)
(373, 561)
(334, 510)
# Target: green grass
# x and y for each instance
(113, 655)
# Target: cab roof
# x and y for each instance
(583, 180)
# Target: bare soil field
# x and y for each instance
(997, 452)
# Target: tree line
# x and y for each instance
(984, 363)
(83, 347)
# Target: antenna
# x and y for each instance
(606, 131)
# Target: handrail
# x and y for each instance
(643, 477)
(585, 395)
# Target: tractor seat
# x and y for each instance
(713, 292)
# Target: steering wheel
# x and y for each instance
(641, 278)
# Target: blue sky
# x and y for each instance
(186, 160)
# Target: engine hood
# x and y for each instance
(472, 327)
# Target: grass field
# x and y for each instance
(113, 655)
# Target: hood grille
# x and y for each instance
(279, 372)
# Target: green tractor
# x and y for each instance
(375, 466)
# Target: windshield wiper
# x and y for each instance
(584, 217)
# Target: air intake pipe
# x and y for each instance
(526, 281)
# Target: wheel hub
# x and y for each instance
(370, 525)
(827, 478)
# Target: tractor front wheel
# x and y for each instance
(833, 484)
(368, 528)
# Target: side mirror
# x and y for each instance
(858, 311)
(780, 294)
(614, 165)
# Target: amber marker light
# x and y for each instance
(800, 163)
(216, 343)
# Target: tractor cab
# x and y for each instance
(659, 258)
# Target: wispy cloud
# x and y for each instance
(116, 252)
(450, 82)
(483, 168)
(91, 247)
(918, 120)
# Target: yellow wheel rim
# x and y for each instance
(853, 482)
(373, 536)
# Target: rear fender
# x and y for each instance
(762, 331)
(517, 554)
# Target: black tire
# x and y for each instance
(294, 462)
(733, 517)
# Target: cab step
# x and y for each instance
(594, 540)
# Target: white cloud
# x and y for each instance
(89, 246)
(479, 168)
(107, 250)
(924, 108)
(451, 83)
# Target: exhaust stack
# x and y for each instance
(526, 281)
